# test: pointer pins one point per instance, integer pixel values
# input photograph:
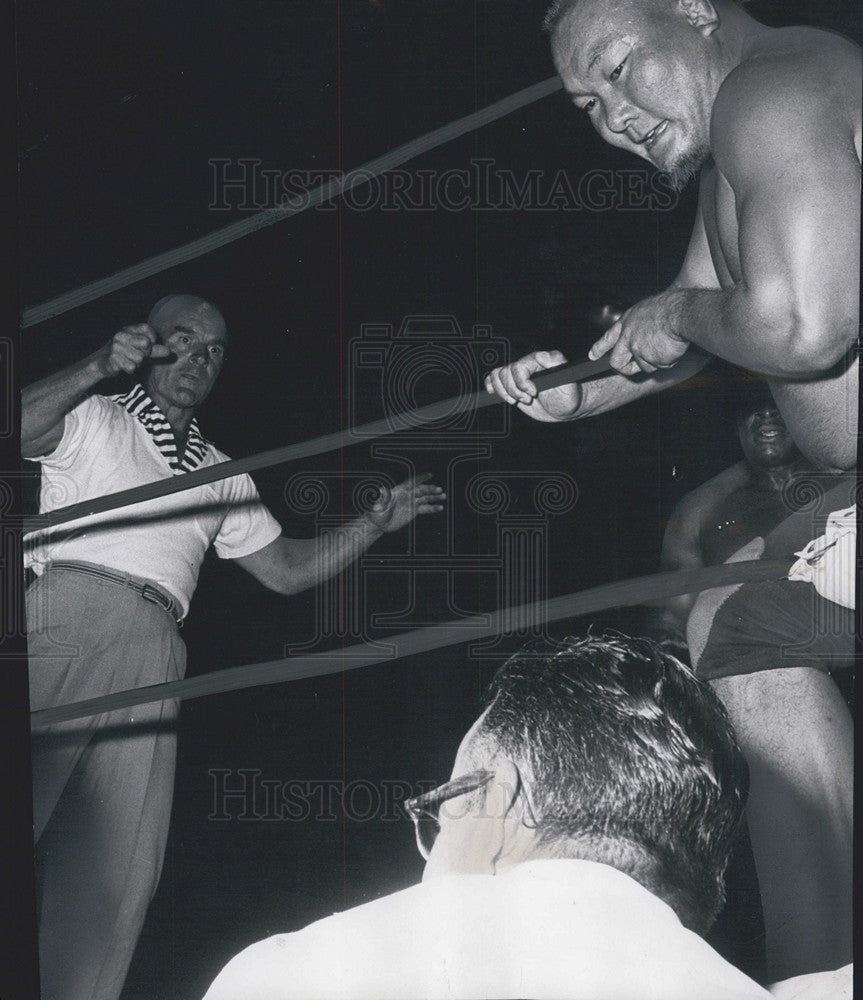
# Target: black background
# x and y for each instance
(122, 106)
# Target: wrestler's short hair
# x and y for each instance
(620, 744)
(558, 10)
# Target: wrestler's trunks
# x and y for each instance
(780, 623)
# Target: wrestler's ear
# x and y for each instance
(701, 15)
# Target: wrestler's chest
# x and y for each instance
(719, 211)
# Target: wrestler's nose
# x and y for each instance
(619, 116)
(768, 413)
(198, 356)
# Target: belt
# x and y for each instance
(149, 591)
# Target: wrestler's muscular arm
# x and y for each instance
(44, 404)
(788, 182)
(573, 402)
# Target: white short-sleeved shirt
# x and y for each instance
(106, 448)
(553, 928)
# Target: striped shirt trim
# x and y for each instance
(138, 403)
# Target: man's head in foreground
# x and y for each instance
(601, 749)
(647, 72)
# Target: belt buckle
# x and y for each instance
(150, 593)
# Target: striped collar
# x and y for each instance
(139, 404)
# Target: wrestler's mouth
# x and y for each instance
(191, 376)
(770, 433)
(650, 139)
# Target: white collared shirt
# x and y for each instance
(113, 443)
(551, 929)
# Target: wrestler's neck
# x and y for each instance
(774, 477)
(738, 36)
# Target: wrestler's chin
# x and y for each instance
(683, 169)
(682, 160)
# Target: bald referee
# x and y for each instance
(103, 611)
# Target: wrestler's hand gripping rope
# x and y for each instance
(628, 592)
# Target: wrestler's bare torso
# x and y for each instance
(821, 412)
(773, 118)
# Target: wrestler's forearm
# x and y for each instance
(608, 393)
(45, 403)
(738, 325)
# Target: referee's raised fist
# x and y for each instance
(129, 348)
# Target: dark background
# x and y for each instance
(121, 108)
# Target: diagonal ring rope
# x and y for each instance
(407, 420)
(293, 206)
(611, 595)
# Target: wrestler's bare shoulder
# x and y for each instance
(698, 504)
(791, 78)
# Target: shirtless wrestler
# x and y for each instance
(769, 121)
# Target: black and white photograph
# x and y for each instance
(430, 506)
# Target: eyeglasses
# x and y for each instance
(424, 809)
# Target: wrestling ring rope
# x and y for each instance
(293, 206)
(628, 592)
(407, 420)
(423, 640)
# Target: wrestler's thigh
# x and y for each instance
(786, 705)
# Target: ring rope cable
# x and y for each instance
(407, 420)
(638, 590)
(292, 206)
(629, 592)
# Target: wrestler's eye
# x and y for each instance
(589, 105)
(615, 73)
(217, 351)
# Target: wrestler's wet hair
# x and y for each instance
(629, 760)
(558, 10)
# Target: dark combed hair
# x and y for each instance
(625, 750)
